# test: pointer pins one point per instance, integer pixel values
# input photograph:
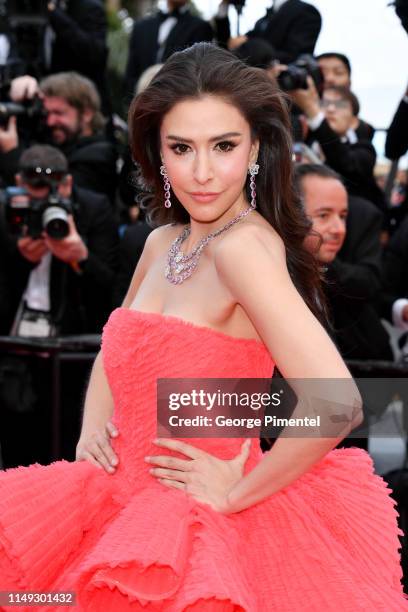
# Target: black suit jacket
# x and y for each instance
(6, 297)
(355, 162)
(80, 42)
(92, 163)
(354, 282)
(395, 270)
(130, 250)
(396, 144)
(292, 30)
(143, 46)
(80, 303)
(365, 131)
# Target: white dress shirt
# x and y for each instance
(37, 293)
(4, 49)
(164, 30)
(278, 4)
(397, 309)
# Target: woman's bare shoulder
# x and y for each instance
(161, 236)
(245, 239)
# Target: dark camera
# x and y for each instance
(295, 77)
(28, 216)
(30, 110)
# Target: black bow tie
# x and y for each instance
(174, 13)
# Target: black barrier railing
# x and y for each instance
(83, 348)
(377, 369)
(60, 350)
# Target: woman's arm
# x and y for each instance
(97, 429)
(259, 281)
(94, 441)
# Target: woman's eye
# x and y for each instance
(226, 146)
(180, 148)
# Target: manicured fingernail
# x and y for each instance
(114, 461)
(147, 458)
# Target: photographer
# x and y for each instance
(330, 122)
(60, 281)
(291, 27)
(57, 277)
(73, 122)
(336, 71)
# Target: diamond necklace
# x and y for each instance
(179, 266)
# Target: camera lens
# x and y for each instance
(293, 78)
(55, 222)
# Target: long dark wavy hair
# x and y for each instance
(205, 69)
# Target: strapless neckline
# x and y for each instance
(189, 324)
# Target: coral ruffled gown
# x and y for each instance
(329, 541)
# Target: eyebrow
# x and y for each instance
(215, 138)
(329, 209)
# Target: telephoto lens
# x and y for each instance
(55, 222)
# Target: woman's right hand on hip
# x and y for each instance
(96, 448)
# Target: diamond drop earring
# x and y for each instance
(253, 171)
(166, 182)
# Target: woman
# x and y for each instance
(208, 525)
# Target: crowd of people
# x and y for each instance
(62, 161)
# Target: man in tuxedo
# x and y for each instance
(156, 37)
(291, 27)
(345, 238)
